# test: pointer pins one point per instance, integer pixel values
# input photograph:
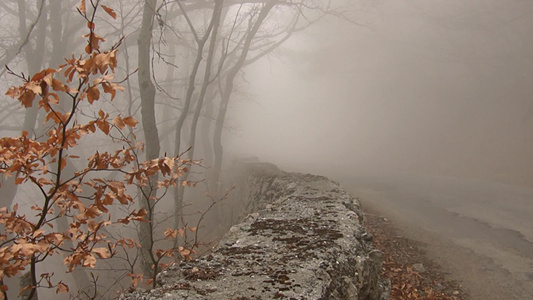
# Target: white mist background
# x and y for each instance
(439, 87)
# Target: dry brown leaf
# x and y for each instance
(109, 11)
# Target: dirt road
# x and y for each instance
(480, 232)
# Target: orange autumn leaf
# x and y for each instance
(89, 261)
(93, 94)
(53, 115)
(93, 43)
(130, 121)
(26, 98)
(38, 233)
(102, 252)
(63, 163)
(102, 114)
(12, 92)
(51, 98)
(117, 121)
(185, 253)
(104, 126)
(109, 90)
(91, 26)
(106, 60)
(3, 288)
(26, 288)
(41, 75)
(34, 87)
(109, 11)
(57, 85)
(62, 288)
(92, 212)
(171, 233)
(83, 7)
(135, 278)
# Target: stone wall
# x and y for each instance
(302, 239)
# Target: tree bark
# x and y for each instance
(227, 90)
(34, 56)
(205, 129)
(179, 191)
(151, 135)
(207, 74)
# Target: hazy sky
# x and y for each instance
(430, 86)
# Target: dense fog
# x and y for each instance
(341, 88)
(440, 87)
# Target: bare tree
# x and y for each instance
(258, 40)
(151, 135)
(201, 41)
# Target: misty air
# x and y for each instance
(266, 149)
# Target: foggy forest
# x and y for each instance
(121, 121)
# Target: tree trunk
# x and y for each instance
(34, 57)
(178, 192)
(205, 132)
(207, 74)
(227, 91)
(151, 135)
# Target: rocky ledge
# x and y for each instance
(305, 241)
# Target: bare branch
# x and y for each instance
(14, 52)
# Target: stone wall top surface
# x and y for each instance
(308, 243)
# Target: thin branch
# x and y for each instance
(10, 56)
